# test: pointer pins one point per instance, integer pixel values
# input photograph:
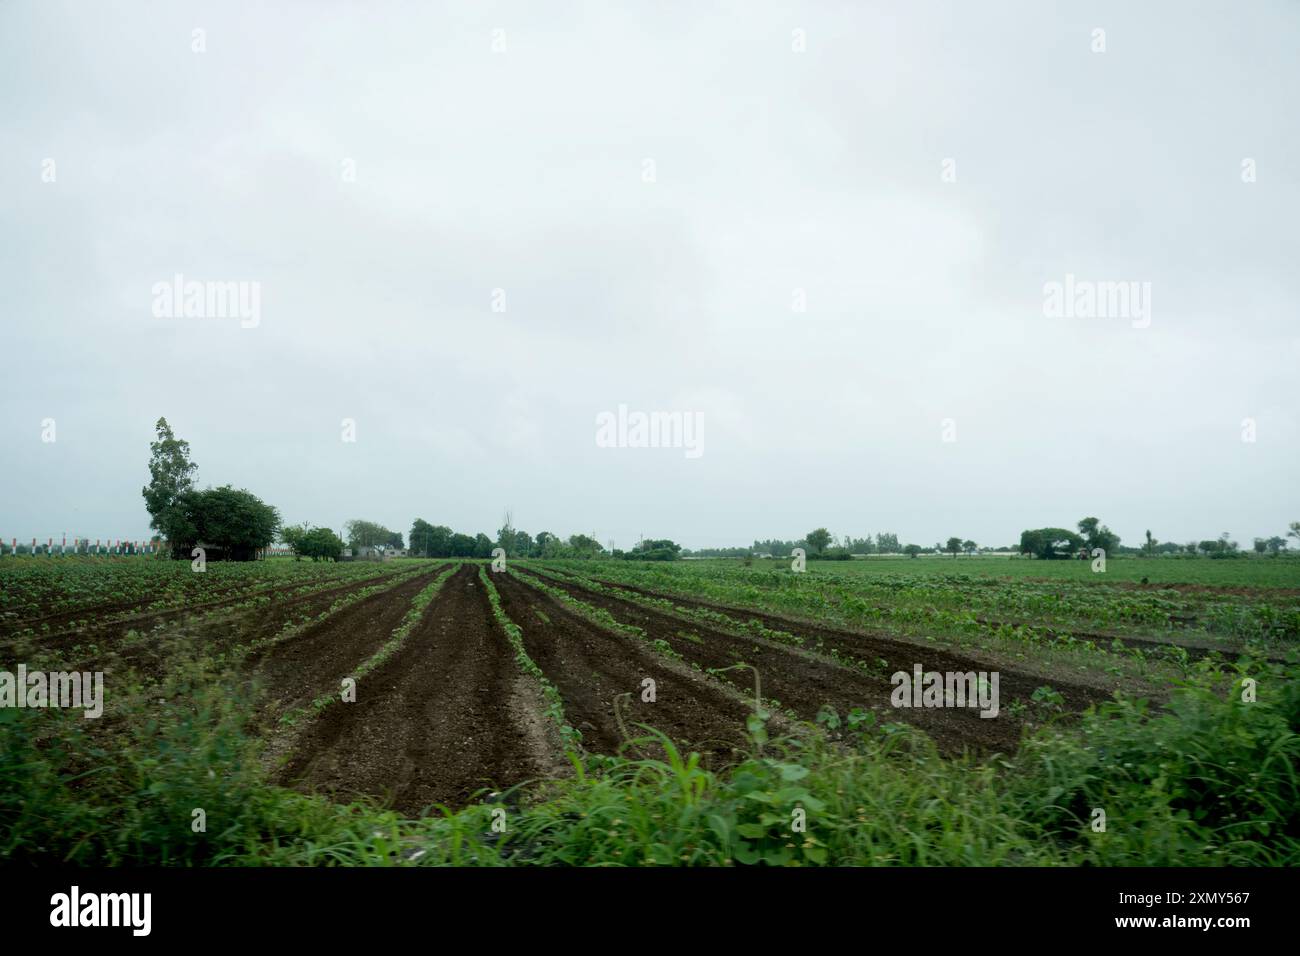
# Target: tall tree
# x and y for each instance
(1097, 535)
(171, 475)
(430, 541)
(362, 534)
(506, 534)
(818, 540)
(954, 546)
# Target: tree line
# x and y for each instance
(238, 525)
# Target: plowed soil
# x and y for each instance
(446, 716)
(294, 672)
(281, 597)
(804, 682)
(592, 668)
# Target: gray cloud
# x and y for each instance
(775, 172)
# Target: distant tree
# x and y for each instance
(171, 475)
(394, 541)
(969, 547)
(1150, 546)
(1260, 545)
(506, 535)
(430, 541)
(887, 543)
(323, 544)
(1097, 535)
(462, 546)
(912, 550)
(319, 544)
(370, 534)
(482, 546)
(818, 540)
(1295, 530)
(1050, 543)
(236, 521)
(294, 535)
(1222, 547)
(1276, 544)
(954, 546)
(584, 547)
(523, 545)
(657, 544)
(546, 545)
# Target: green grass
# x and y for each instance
(1212, 780)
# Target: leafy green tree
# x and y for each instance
(1276, 544)
(583, 546)
(430, 541)
(887, 543)
(506, 535)
(234, 520)
(913, 550)
(319, 544)
(171, 475)
(1097, 535)
(462, 546)
(523, 545)
(1050, 543)
(370, 534)
(482, 546)
(818, 540)
(294, 536)
(953, 547)
(969, 547)
(1294, 532)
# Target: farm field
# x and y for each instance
(437, 711)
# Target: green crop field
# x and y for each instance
(711, 712)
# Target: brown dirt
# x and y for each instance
(592, 667)
(294, 672)
(440, 720)
(151, 655)
(804, 682)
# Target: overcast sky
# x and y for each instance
(744, 212)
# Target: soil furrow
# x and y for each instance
(295, 672)
(447, 715)
(593, 668)
(805, 682)
(873, 646)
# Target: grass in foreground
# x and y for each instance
(1211, 780)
